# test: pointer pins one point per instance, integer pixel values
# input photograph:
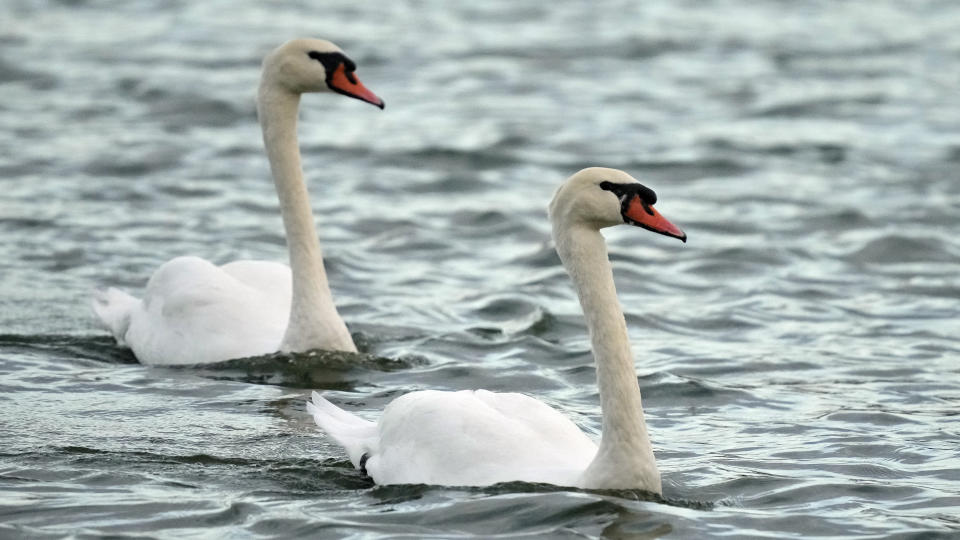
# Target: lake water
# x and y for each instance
(799, 357)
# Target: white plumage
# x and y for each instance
(467, 438)
(194, 311)
(476, 437)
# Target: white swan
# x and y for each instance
(480, 437)
(194, 311)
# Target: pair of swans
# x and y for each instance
(195, 312)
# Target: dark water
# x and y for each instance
(799, 357)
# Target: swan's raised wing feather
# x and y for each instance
(356, 435)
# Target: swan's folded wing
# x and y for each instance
(476, 438)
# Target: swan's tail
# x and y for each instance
(114, 307)
(356, 435)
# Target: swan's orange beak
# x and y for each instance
(349, 85)
(644, 215)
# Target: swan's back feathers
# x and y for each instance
(270, 277)
(356, 435)
(114, 308)
(194, 311)
(461, 438)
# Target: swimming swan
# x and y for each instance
(477, 437)
(194, 311)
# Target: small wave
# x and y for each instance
(880, 418)
(534, 510)
(318, 369)
(682, 392)
(896, 248)
(37, 80)
(135, 161)
(826, 151)
(823, 106)
(450, 159)
(182, 109)
(702, 167)
(99, 348)
(289, 475)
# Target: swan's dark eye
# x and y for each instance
(332, 60)
(323, 58)
(633, 188)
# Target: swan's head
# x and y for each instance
(597, 197)
(315, 65)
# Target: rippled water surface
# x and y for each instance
(799, 358)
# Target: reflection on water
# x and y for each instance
(798, 357)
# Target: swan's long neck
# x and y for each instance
(625, 457)
(314, 321)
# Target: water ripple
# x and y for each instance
(797, 356)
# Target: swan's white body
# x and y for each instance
(466, 438)
(480, 437)
(196, 312)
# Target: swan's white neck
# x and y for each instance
(625, 457)
(314, 321)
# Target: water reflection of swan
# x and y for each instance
(480, 437)
(196, 312)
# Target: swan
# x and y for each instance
(194, 311)
(477, 437)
